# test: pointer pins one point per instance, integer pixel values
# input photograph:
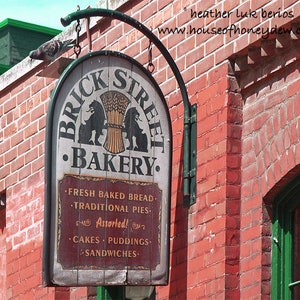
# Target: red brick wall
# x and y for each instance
(2, 245)
(271, 141)
(23, 110)
(247, 140)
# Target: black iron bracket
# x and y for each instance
(190, 111)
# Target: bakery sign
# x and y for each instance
(108, 173)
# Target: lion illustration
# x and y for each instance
(94, 123)
(137, 139)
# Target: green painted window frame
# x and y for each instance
(116, 293)
(110, 293)
(282, 245)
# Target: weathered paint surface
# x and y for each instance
(109, 172)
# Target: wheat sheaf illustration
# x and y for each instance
(115, 105)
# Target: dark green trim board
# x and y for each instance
(29, 26)
(4, 68)
(282, 245)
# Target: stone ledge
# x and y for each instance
(28, 65)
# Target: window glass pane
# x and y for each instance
(296, 250)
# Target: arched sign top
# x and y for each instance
(190, 111)
(108, 166)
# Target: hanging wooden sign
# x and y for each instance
(108, 173)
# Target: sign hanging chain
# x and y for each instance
(150, 66)
(77, 47)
